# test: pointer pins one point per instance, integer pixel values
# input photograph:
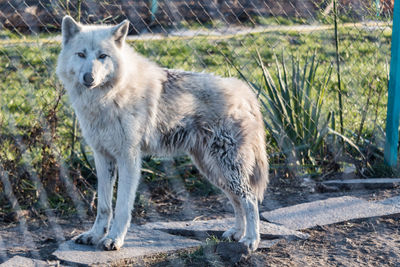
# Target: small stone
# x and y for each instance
(23, 261)
(323, 188)
(15, 216)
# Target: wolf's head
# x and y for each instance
(91, 56)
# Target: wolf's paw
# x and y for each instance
(251, 242)
(233, 234)
(108, 243)
(88, 238)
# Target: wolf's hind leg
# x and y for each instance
(236, 232)
(210, 168)
(243, 196)
(235, 160)
(105, 168)
(221, 161)
(250, 206)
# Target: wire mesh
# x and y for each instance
(45, 164)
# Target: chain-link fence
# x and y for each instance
(320, 69)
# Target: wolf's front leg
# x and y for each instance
(129, 176)
(105, 168)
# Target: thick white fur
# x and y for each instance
(134, 108)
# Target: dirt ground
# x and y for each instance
(364, 242)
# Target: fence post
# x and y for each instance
(393, 106)
(153, 8)
(378, 7)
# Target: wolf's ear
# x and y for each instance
(120, 32)
(69, 28)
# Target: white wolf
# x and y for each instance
(128, 107)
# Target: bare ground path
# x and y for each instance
(357, 242)
(218, 33)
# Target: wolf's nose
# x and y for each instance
(88, 78)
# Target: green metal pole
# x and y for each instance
(154, 7)
(378, 7)
(393, 107)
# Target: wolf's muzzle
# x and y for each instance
(88, 79)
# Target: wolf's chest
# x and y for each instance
(101, 127)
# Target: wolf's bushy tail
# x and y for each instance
(259, 178)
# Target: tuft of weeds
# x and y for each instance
(204, 255)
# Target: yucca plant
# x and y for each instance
(293, 107)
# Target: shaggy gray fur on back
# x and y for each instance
(214, 125)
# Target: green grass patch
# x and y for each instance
(35, 112)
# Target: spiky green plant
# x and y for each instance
(293, 107)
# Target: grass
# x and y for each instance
(36, 119)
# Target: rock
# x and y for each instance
(373, 183)
(273, 242)
(329, 211)
(203, 229)
(323, 188)
(393, 201)
(23, 261)
(138, 242)
(232, 252)
(157, 238)
(16, 216)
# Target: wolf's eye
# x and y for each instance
(81, 55)
(102, 56)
